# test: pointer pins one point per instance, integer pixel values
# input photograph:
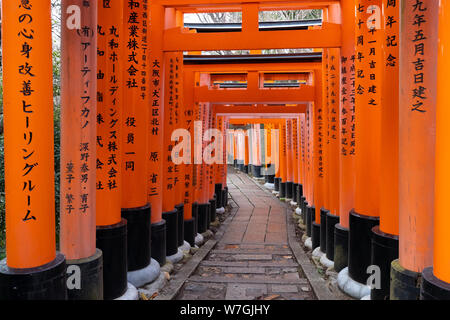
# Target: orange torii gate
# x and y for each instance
(250, 96)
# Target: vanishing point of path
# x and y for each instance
(252, 260)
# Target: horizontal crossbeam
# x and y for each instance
(178, 39)
(241, 96)
(263, 26)
(255, 110)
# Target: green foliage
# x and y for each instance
(56, 57)
(57, 133)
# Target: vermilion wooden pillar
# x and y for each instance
(347, 136)
(169, 167)
(78, 146)
(256, 144)
(29, 164)
(332, 216)
(319, 145)
(309, 153)
(111, 227)
(201, 173)
(135, 145)
(235, 150)
(220, 176)
(270, 161)
(324, 159)
(289, 161)
(368, 85)
(197, 170)
(156, 133)
(190, 209)
(276, 155)
(302, 173)
(283, 159)
(296, 162)
(436, 279)
(225, 163)
(310, 165)
(385, 236)
(179, 167)
(417, 122)
(78, 133)
(251, 146)
(210, 152)
(246, 153)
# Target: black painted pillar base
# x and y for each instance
(289, 187)
(245, 169)
(195, 217)
(212, 211)
(331, 220)
(47, 282)
(323, 229)
(219, 195)
(138, 237)
(433, 288)
(180, 217)
(340, 247)
(189, 231)
(315, 235)
(159, 241)
(225, 196)
(384, 251)
(171, 232)
(299, 193)
(270, 178)
(90, 278)
(405, 284)
(303, 205)
(276, 184)
(235, 163)
(242, 167)
(360, 243)
(208, 216)
(256, 171)
(112, 241)
(295, 193)
(203, 215)
(282, 189)
(309, 219)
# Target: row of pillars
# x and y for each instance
(373, 151)
(134, 191)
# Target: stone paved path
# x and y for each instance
(253, 259)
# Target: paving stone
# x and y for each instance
(277, 264)
(258, 279)
(223, 263)
(244, 270)
(274, 271)
(252, 257)
(240, 291)
(252, 246)
(291, 276)
(284, 289)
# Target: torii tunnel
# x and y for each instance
(351, 132)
